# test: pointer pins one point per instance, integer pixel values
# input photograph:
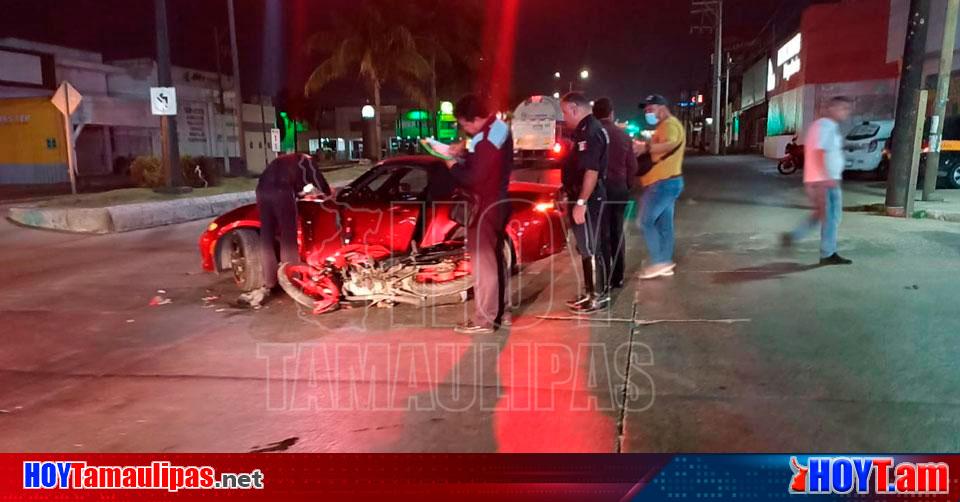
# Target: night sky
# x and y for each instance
(632, 47)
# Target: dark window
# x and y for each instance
(389, 184)
(863, 131)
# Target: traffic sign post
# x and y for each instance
(275, 140)
(67, 100)
(163, 100)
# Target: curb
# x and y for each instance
(933, 214)
(127, 217)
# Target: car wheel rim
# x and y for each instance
(956, 176)
(238, 262)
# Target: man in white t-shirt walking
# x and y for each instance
(822, 175)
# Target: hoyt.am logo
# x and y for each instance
(878, 475)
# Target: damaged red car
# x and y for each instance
(393, 235)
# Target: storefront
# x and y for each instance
(840, 49)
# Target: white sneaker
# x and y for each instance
(659, 270)
(254, 298)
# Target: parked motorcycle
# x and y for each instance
(369, 274)
(792, 161)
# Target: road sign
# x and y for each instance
(66, 99)
(163, 100)
(275, 139)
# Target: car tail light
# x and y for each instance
(926, 146)
(873, 146)
(544, 207)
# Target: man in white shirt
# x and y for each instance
(822, 175)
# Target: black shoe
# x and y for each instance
(469, 328)
(835, 259)
(786, 241)
(597, 304)
(579, 301)
(506, 320)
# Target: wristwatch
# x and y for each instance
(581, 202)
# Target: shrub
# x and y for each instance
(199, 172)
(146, 171)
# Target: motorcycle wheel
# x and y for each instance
(310, 288)
(787, 167)
(459, 287)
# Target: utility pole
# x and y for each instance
(221, 107)
(940, 106)
(168, 128)
(911, 74)
(712, 10)
(238, 99)
(726, 106)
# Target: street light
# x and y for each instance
(367, 112)
(446, 108)
(584, 74)
(556, 95)
(556, 75)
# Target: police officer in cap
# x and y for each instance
(583, 175)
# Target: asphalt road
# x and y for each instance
(760, 351)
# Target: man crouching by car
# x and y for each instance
(282, 182)
(483, 170)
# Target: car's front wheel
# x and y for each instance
(953, 176)
(244, 251)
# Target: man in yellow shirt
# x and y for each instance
(662, 185)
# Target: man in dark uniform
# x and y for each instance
(621, 169)
(583, 177)
(284, 179)
(483, 169)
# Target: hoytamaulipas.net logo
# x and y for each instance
(868, 475)
(159, 475)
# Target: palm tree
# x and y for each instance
(380, 49)
(449, 39)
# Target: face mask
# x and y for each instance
(651, 118)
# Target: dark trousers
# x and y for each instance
(278, 221)
(592, 244)
(616, 209)
(491, 274)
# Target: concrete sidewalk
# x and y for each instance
(947, 210)
(870, 197)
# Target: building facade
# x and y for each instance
(114, 121)
(851, 48)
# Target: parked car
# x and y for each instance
(949, 171)
(402, 207)
(867, 147)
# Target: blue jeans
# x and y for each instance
(656, 218)
(827, 210)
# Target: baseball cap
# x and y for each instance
(654, 99)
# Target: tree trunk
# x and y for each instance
(377, 125)
(434, 106)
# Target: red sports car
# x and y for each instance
(390, 235)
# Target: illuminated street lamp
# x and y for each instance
(556, 95)
(556, 75)
(584, 74)
(446, 108)
(369, 131)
